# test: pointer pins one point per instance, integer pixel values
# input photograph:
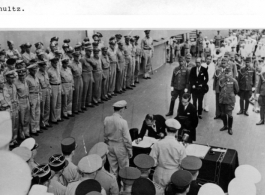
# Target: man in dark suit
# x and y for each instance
(198, 82)
(187, 117)
(155, 125)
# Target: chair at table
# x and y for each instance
(134, 133)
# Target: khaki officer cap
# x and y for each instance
(100, 149)
(120, 104)
(90, 163)
(23, 153)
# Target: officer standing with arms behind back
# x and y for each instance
(228, 88)
(179, 84)
(117, 136)
(246, 81)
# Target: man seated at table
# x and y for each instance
(187, 117)
(153, 126)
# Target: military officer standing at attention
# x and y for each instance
(179, 84)
(23, 102)
(87, 77)
(34, 99)
(217, 39)
(199, 45)
(12, 52)
(10, 95)
(193, 165)
(11, 65)
(107, 180)
(168, 154)
(138, 59)
(76, 68)
(45, 105)
(128, 63)
(70, 172)
(106, 73)
(28, 55)
(117, 136)
(246, 81)
(260, 89)
(228, 88)
(120, 68)
(133, 53)
(97, 74)
(148, 52)
(112, 54)
(56, 90)
(67, 89)
(118, 39)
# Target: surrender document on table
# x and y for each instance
(197, 150)
(145, 143)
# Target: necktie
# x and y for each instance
(198, 70)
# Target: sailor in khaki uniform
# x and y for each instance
(68, 146)
(105, 73)
(45, 105)
(107, 180)
(67, 88)
(28, 55)
(168, 154)
(138, 59)
(112, 54)
(117, 136)
(10, 96)
(128, 63)
(133, 54)
(23, 101)
(56, 90)
(12, 52)
(88, 167)
(128, 176)
(120, 68)
(144, 163)
(34, 98)
(148, 50)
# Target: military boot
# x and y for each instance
(171, 108)
(230, 124)
(224, 118)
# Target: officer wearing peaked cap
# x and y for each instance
(143, 186)
(70, 172)
(41, 174)
(193, 165)
(180, 183)
(23, 103)
(31, 144)
(88, 168)
(87, 186)
(28, 55)
(210, 188)
(168, 154)
(107, 180)
(117, 136)
(144, 163)
(148, 51)
(128, 176)
(120, 77)
(39, 190)
(12, 52)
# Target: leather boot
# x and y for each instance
(230, 124)
(224, 118)
(171, 108)
(261, 122)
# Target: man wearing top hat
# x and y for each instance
(87, 76)
(10, 95)
(97, 74)
(107, 180)
(67, 89)
(180, 183)
(44, 80)
(144, 163)
(228, 88)
(12, 52)
(23, 102)
(148, 52)
(138, 58)
(112, 54)
(56, 90)
(246, 81)
(117, 136)
(105, 74)
(28, 55)
(76, 68)
(193, 165)
(168, 154)
(88, 168)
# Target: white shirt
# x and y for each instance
(198, 70)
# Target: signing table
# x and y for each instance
(218, 164)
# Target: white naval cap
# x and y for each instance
(16, 174)
(120, 104)
(23, 153)
(39, 190)
(29, 143)
(173, 124)
(248, 173)
(210, 189)
(6, 130)
(240, 186)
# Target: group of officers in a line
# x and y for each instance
(175, 172)
(45, 86)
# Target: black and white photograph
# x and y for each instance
(135, 111)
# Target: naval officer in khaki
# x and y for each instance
(107, 180)
(117, 136)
